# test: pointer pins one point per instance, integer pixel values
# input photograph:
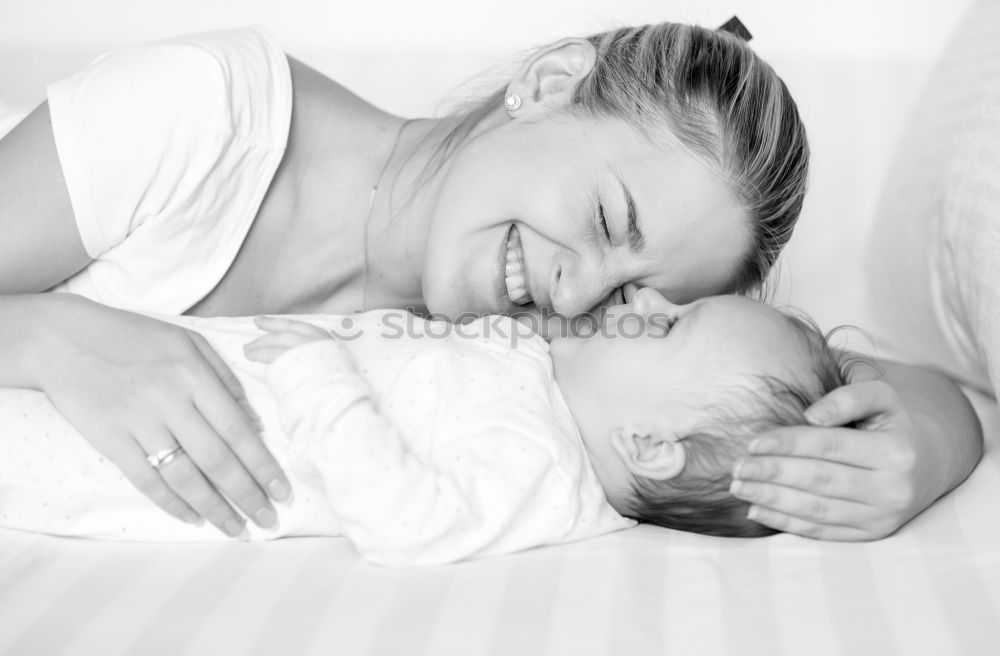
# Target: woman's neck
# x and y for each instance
(402, 212)
(399, 218)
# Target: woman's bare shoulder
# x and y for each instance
(325, 175)
(316, 96)
(332, 129)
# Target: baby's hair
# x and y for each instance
(718, 98)
(698, 500)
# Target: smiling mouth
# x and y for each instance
(514, 274)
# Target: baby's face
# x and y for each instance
(655, 364)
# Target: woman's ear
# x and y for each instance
(548, 80)
(650, 454)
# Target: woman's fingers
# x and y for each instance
(225, 376)
(187, 481)
(224, 451)
(224, 457)
(182, 474)
(803, 505)
(843, 477)
(870, 481)
(218, 365)
(853, 403)
(843, 445)
(131, 459)
(789, 524)
(239, 426)
(822, 478)
(245, 443)
(814, 498)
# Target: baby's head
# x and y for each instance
(667, 398)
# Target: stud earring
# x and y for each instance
(512, 102)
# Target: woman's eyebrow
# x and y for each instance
(636, 240)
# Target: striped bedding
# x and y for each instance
(933, 588)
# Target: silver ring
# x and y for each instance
(161, 458)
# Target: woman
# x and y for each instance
(211, 175)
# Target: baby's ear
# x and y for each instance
(650, 454)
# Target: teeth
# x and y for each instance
(514, 270)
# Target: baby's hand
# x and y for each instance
(282, 335)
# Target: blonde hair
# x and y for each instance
(719, 99)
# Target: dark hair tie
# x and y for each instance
(735, 26)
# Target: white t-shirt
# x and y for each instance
(168, 150)
(421, 441)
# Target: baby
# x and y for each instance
(426, 442)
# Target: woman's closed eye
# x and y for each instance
(619, 295)
(604, 221)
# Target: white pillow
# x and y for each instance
(933, 258)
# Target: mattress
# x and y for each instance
(932, 588)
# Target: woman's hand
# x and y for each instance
(832, 483)
(134, 387)
(282, 335)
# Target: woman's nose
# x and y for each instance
(575, 288)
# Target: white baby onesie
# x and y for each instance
(421, 441)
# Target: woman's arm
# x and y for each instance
(39, 243)
(919, 438)
(129, 384)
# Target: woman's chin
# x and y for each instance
(453, 304)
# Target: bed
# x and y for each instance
(932, 588)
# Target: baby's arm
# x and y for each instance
(485, 494)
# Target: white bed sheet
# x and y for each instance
(933, 588)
